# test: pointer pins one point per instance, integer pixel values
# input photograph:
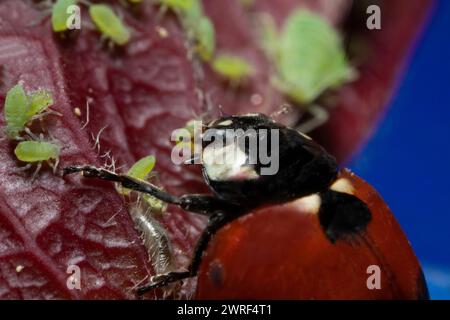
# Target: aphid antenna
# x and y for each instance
(48, 112)
(107, 155)
(43, 5)
(88, 102)
(284, 109)
(97, 139)
(111, 45)
(85, 2)
(32, 135)
(52, 138)
(319, 116)
(120, 15)
(108, 222)
(209, 103)
(124, 3)
(87, 24)
(54, 166)
(161, 13)
(44, 13)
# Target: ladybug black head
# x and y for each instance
(251, 160)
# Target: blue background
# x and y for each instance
(408, 158)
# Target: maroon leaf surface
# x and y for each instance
(137, 96)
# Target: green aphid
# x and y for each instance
(36, 151)
(109, 24)
(198, 26)
(21, 108)
(39, 101)
(232, 68)
(17, 107)
(308, 55)
(141, 170)
(205, 38)
(60, 15)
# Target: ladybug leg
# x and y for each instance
(198, 203)
(216, 221)
(208, 205)
(124, 180)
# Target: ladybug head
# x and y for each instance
(251, 160)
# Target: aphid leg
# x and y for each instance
(42, 115)
(161, 13)
(215, 222)
(285, 108)
(45, 8)
(85, 2)
(44, 5)
(31, 134)
(319, 117)
(35, 173)
(24, 168)
(54, 166)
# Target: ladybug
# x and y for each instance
(305, 231)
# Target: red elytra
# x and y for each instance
(281, 252)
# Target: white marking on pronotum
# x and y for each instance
(343, 185)
(227, 163)
(309, 204)
(225, 123)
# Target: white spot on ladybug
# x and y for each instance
(225, 123)
(343, 185)
(309, 204)
(227, 163)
